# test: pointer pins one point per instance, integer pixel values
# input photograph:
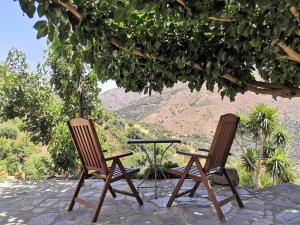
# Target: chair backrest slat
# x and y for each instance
(87, 144)
(222, 141)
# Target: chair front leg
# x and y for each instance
(79, 185)
(233, 189)
(210, 192)
(129, 182)
(103, 193)
(180, 182)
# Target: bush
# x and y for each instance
(167, 165)
(62, 150)
(12, 153)
(114, 124)
(8, 131)
(38, 166)
(246, 178)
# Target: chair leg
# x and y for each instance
(103, 193)
(111, 190)
(180, 182)
(233, 189)
(192, 193)
(100, 201)
(79, 185)
(129, 182)
(210, 192)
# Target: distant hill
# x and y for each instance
(186, 113)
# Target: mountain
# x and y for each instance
(186, 113)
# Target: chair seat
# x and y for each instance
(118, 172)
(193, 173)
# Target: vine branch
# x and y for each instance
(222, 18)
(71, 8)
(294, 11)
(291, 53)
(259, 87)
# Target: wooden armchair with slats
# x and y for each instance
(93, 162)
(214, 164)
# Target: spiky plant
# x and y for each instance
(279, 167)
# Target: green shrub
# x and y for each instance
(279, 167)
(62, 150)
(8, 130)
(12, 153)
(38, 166)
(114, 124)
(246, 178)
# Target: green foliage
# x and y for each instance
(28, 97)
(38, 166)
(171, 37)
(62, 150)
(267, 158)
(246, 178)
(279, 167)
(262, 120)
(8, 131)
(248, 160)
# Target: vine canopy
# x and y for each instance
(147, 45)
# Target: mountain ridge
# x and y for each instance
(186, 113)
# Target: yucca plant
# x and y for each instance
(248, 159)
(263, 125)
(279, 167)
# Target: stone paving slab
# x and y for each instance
(45, 202)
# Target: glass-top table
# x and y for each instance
(154, 162)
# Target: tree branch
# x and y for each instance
(71, 8)
(259, 87)
(292, 54)
(294, 11)
(222, 18)
(181, 2)
(195, 66)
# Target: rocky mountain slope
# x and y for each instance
(186, 113)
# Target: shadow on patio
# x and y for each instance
(45, 202)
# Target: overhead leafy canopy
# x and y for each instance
(147, 45)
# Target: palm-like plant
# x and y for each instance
(249, 158)
(263, 125)
(262, 121)
(278, 166)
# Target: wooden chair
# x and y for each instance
(94, 164)
(214, 164)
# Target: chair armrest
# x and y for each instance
(203, 149)
(181, 152)
(118, 156)
(206, 150)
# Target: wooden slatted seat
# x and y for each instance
(117, 173)
(93, 162)
(214, 164)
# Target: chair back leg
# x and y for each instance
(194, 189)
(129, 182)
(233, 189)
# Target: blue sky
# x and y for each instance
(17, 31)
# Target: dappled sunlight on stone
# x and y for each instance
(45, 202)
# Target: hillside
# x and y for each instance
(186, 113)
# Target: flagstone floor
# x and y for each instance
(45, 202)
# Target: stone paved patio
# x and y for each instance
(45, 202)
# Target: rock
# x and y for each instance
(220, 180)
